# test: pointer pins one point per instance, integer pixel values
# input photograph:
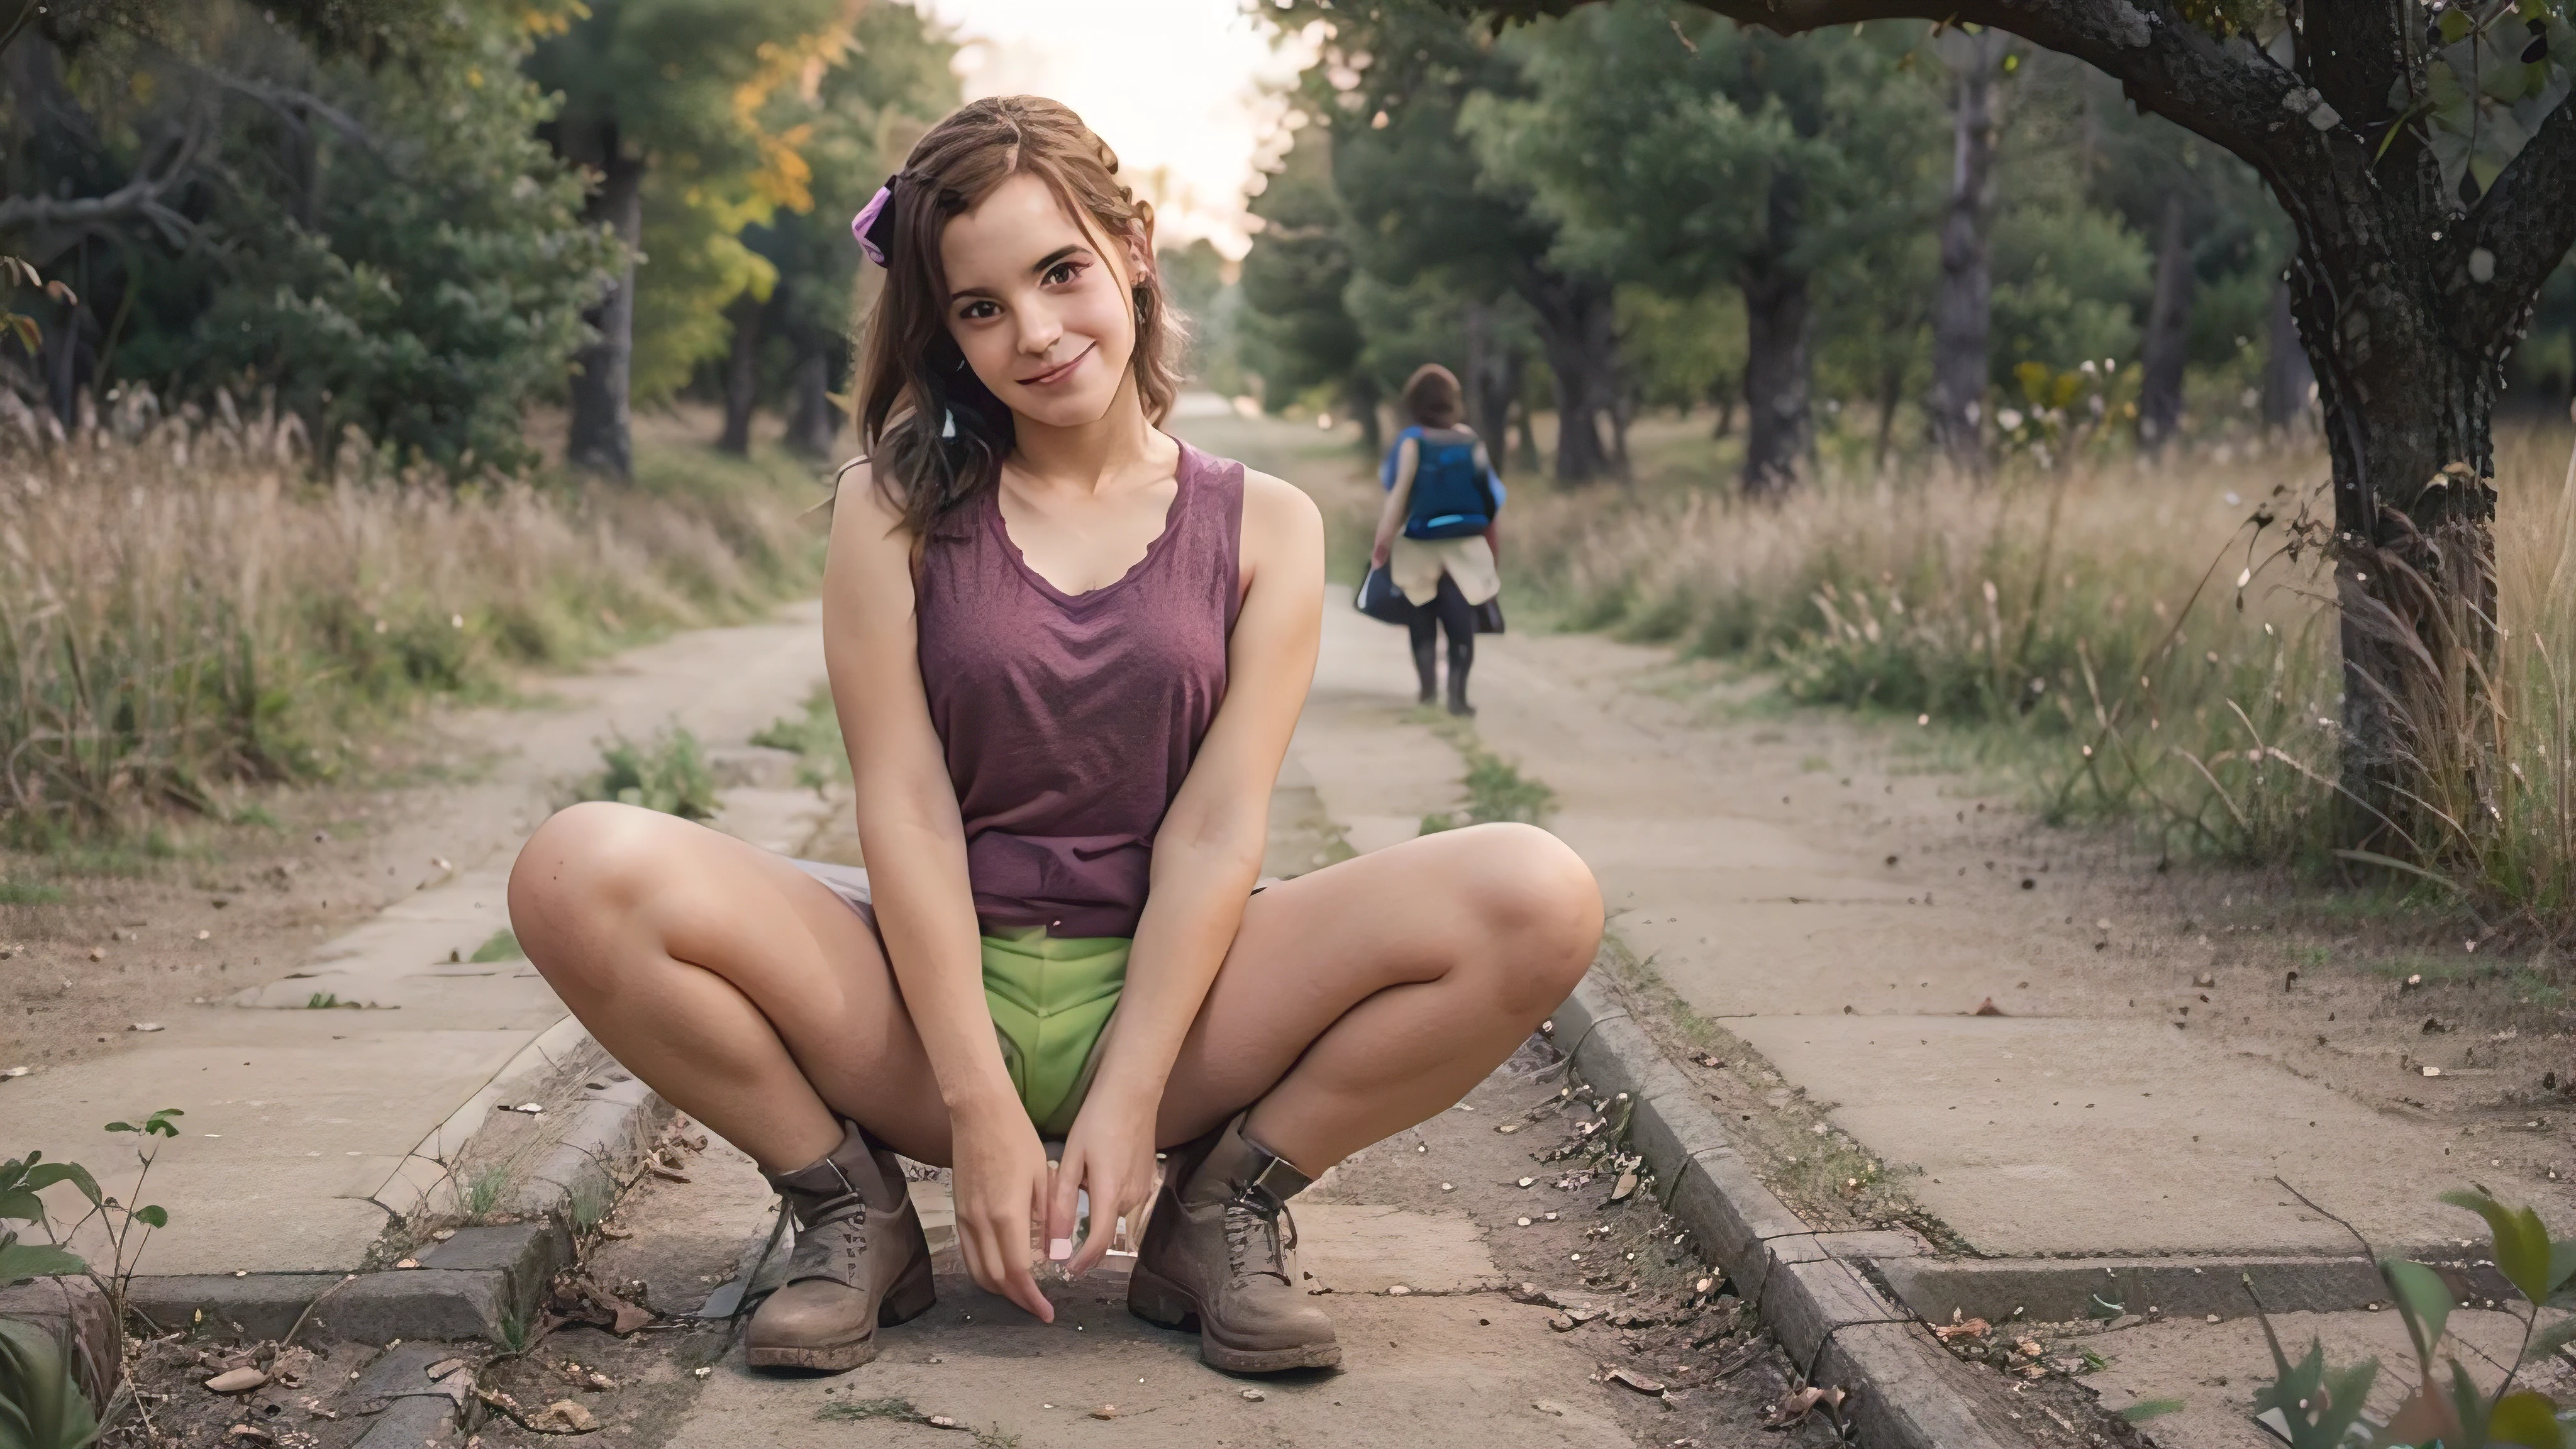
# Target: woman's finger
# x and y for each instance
(1108, 1204)
(1062, 1203)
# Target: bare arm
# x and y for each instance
(1207, 857)
(1390, 519)
(915, 846)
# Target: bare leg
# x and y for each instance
(1373, 994)
(736, 986)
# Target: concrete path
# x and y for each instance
(319, 1103)
(1844, 921)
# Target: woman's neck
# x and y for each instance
(1088, 456)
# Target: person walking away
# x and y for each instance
(1436, 535)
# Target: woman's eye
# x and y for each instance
(978, 311)
(1063, 272)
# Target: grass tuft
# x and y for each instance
(667, 773)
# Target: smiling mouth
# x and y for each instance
(1058, 374)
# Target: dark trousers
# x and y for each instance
(1449, 611)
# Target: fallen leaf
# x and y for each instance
(1986, 1007)
(564, 1416)
(1508, 1128)
(1105, 1411)
(1398, 1291)
(1706, 1059)
(1972, 1328)
(1633, 1379)
(15, 1072)
(250, 1434)
(1627, 1185)
(145, 1026)
(667, 1174)
(442, 1235)
(1544, 1407)
(444, 1367)
(1255, 1395)
(236, 1381)
(614, 1233)
(1795, 1404)
(408, 1263)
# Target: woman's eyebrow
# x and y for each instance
(1044, 263)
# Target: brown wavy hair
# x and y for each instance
(912, 377)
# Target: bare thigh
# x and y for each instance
(626, 897)
(1490, 908)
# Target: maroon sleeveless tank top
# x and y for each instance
(1069, 720)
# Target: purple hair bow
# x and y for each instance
(874, 225)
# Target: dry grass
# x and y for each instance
(183, 607)
(2133, 640)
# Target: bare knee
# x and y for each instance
(1540, 909)
(579, 882)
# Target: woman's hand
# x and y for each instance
(1000, 1188)
(1110, 1155)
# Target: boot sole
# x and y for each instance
(1167, 1305)
(913, 1295)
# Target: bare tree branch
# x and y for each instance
(140, 198)
(293, 106)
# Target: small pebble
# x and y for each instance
(1254, 1395)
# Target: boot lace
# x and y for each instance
(1254, 1243)
(832, 1248)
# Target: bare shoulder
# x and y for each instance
(865, 522)
(1275, 505)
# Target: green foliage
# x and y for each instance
(813, 734)
(1297, 334)
(503, 946)
(41, 1404)
(667, 773)
(2322, 1406)
(2502, 67)
(390, 248)
(1496, 788)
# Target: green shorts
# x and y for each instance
(1051, 1000)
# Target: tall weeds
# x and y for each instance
(2154, 643)
(183, 605)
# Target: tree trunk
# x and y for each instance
(2414, 548)
(1962, 313)
(1361, 396)
(1578, 329)
(1779, 425)
(2289, 383)
(742, 373)
(1492, 377)
(600, 437)
(816, 424)
(2167, 345)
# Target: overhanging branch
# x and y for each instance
(2526, 223)
(2228, 92)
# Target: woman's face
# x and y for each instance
(1043, 314)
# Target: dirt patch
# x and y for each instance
(110, 940)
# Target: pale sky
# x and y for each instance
(1175, 86)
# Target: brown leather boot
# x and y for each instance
(860, 1260)
(1214, 1258)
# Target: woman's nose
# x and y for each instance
(1040, 329)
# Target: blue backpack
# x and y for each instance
(1452, 497)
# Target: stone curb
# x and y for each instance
(470, 1286)
(1909, 1393)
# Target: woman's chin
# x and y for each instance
(1076, 408)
